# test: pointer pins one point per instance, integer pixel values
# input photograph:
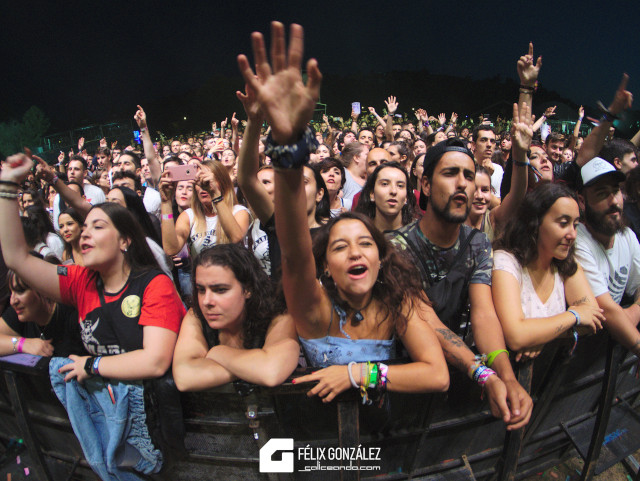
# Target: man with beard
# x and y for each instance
(608, 252)
(455, 263)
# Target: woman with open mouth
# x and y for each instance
(366, 297)
(129, 313)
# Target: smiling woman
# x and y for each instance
(129, 311)
(534, 261)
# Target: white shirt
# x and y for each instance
(152, 201)
(92, 194)
(615, 270)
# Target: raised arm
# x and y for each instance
(248, 159)
(37, 273)
(550, 111)
(70, 196)
(149, 152)
(576, 131)
(595, 140)
(174, 232)
(528, 73)
(288, 106)
(521, 141)
(392, 107)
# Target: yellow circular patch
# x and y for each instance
(131, 306)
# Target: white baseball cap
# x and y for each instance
(596, 168)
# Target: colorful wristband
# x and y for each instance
(167, 216)
(94, 367)
(576, 315)
(20, 344)
(493, 354)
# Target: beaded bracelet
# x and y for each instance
(9, 195)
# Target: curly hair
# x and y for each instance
(398, 280)
(260, 307)
(367, 206)
(520, 237)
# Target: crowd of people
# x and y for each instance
(227, 255)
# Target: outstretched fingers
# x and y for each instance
(624, 82)
(296, 46)
(263, 69)
(248, 75)
(315, 78)
(278, 56)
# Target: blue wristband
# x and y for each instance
(94, 368)
(576, 315)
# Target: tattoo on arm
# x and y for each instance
(581, 301)
(450, 336)
(560, 328)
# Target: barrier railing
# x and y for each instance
(585, 405)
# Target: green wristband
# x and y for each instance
(492, 356)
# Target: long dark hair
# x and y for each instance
(260, 307)
(367, 206)
(520, 238)
(136, 207)
(323, 208)
(77, 217)
(398, 280)
(138, 255)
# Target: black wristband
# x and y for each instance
(88, 365)
(9, 182)
(292, 156)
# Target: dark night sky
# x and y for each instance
(84, 61)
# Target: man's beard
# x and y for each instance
(600, 223)
(446, 214)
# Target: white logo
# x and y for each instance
(274, 445)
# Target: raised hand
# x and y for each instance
(372, 110)
(16, 168)
(392, 105)
(114, 144)
(622, 99)
(44, 170)
(527, 71)
(166, 187)
(550, 111)
(103, 142)
(325, 119)
(61, 157)
(286, 102)
(454, 118)
(422, 115)
(581, 112)
(522, 128)
(207, 181)
(250, 103)
(234, 122)
(141, 118)
(442, 118)
(80, 143)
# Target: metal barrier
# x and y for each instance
(585, 405)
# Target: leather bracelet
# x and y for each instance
(9, 182)
(292, 156)
(526, 87)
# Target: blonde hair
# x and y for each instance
(221, 175)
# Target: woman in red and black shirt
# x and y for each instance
(129, 312)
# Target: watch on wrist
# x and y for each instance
(88, 364)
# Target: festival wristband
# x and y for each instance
(351, 379)
(576, 315)
(167, 216)
(94, 366)
(493, 354)
(20, 344)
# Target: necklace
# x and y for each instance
(42, 329)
